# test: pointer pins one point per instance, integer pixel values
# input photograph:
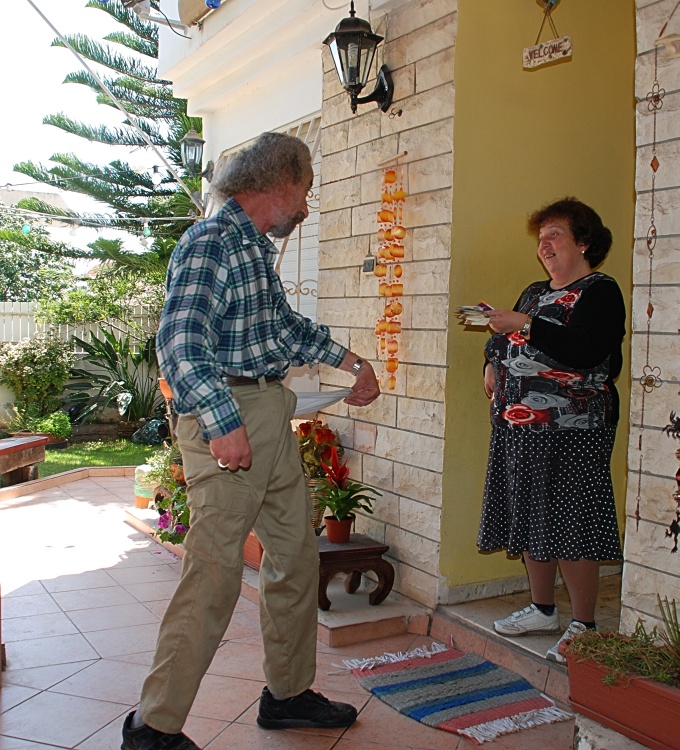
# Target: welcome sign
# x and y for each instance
(546, 52)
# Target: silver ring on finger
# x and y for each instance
(221, 465)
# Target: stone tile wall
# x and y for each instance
(649, 565)
(396, 444)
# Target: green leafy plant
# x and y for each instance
(36, 371)
(339, 494)
(122, 376)
(643, 654)
(57, 424)
(315, 440)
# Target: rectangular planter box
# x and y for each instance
(643, 710)
(252, 551)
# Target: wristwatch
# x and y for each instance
(357, 366)
(525, 330)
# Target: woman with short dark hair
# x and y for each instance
(550, 369)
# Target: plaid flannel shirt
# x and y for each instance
(226, 314)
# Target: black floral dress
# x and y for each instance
(554, 412)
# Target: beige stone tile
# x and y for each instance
(418, 484)
(33, 588)
(37, 626)
(41, 652)
(12, 743)
(150, 592)
(13, 695)
(61, 719)
(43, 678)
(146, 574)
(106, 618)
(127, 640)
(416, 15)
(106, 680)
(26, 606)
(91, 579)
(90, 598)
(254, 738)
(238, 659)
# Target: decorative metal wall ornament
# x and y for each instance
(673, 429)
(389, 270)
(553, 50)
(651, 376)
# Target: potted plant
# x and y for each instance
(630, 683)
(170, 494)
(341, 496)
(57, 425)
(315, 440)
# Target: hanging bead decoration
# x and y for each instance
(389, 271)
(651, 376)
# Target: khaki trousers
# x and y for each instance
(272, 498)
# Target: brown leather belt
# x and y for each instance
(233, 380)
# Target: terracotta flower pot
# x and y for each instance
(640, 708)
(164, 387)
(338, 531)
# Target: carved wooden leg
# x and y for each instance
(324, 601)
(352, 581)
(385, 573)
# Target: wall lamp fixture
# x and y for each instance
(353, 46)
(191, 150)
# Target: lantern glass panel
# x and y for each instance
(353, 56)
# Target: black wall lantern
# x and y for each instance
(191, 151)
(353, 46)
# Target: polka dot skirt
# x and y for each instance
(550, 492)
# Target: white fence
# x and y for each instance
(17, 322)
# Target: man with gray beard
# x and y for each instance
(227, 337)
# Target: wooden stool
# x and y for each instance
(355, 557)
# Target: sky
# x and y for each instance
(31, 87)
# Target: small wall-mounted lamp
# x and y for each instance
(191, 150)
(353, 46)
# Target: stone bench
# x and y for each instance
(18, 458)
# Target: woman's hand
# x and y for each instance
(506, 321)
(489, 380)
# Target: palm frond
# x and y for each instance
(122, 136)
(129, 18)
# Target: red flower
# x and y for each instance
(521, 414)
(569, 299)
(305, 428)
(517, 339)
(564, 376)
(336, 472)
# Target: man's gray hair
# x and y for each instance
(270, 161)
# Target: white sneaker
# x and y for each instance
(555, 653)
(528, 620)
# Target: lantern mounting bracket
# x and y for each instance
(381, 94)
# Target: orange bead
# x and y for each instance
(386, 216)
(390, 176)
(396, 250)
(392, 382)
(396, 290)
(380, 270)
(398, 232)
(399, 195)
(392, 346)
(397, 270)
(385, 253)
(387, 234)
(381, 235)
(384, 289)
(393, 326)
(392, 364)
(381, 326)
(386, 197)
(397, 308)
(382, 345)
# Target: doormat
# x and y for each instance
(460, 693)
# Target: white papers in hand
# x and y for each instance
(309, 402)
(474, 315)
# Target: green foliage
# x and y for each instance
(120, 375)
(29, 268)
(644, 653)
(36, 371)
(94, 453)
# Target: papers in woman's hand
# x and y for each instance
(474, 315)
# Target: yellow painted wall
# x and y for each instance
(522, 139)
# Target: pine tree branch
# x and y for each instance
(133, 42)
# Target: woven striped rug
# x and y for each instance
(460, 693)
